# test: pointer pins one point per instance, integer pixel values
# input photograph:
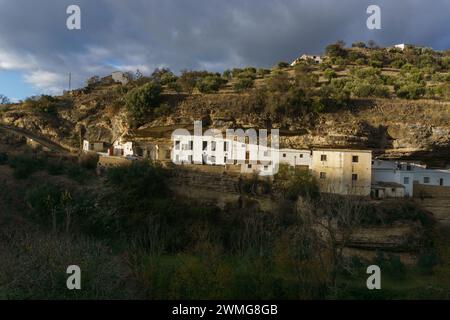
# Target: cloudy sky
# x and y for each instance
(37, 51)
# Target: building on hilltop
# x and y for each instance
(307, 57)
(120, 76)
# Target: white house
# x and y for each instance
(295, 157)
(382, 190)
(407, 174)
(93, 146)
(432, 177)
(216, 150)
(308, 57)
(394, 172)
(121, 148)
(401, 46)
(197, 149)
(120, 76)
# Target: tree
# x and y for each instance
(279, 82)
(189, 79)
(336, 50)
(141, 100)
(330, 74)
(282, 64)
(338, 219)
(4, 99)
(210, 84)
(359, 44)
(372, 44)
(243, 83)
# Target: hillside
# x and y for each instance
(394, 102)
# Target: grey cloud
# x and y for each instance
(197, 33)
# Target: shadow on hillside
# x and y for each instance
(378, 137)
(438, 157)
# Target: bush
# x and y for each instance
(55, 168)
(282, 65)
(262, 72)
(25, 165)
(88, 161)
(330, 74)
(3, 158)
(336, 50)
(359, 44)
(295, 183)
(365, 89)
(243, 83)
(392, 265)
(141, 100)
(45, 104)
(410, 91)
(210, 84)
(427, 262)
(163, 110)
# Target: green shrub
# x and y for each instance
(282, 65)
(330, 74)
(3, 158)
(336, 50)
(163, 110)
(25, 165)
(295, 183)
(410, 91)
(210, 84)
(45, 104)
(88, 161)
(427, 262)
(142, 100)
(55, 168)
(243, 83)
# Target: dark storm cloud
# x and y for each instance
(196, 34)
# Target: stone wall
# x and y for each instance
(435, 199)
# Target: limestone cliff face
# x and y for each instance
(398, 128)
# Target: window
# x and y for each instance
(426, 179)
(266, 168)
(177, 158)
(284, 155)
(406, 180)
(323, 157)
(393, 190)
(354, 177)
(225, 146)
(205, 145)
(323, 175)
(213, 146)
(355, 159)
(301, 155)
(408, 168)
(225, 159)
(191, 145)
(177, 145)
(249, 166)
(441, 181)
(190, 159)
